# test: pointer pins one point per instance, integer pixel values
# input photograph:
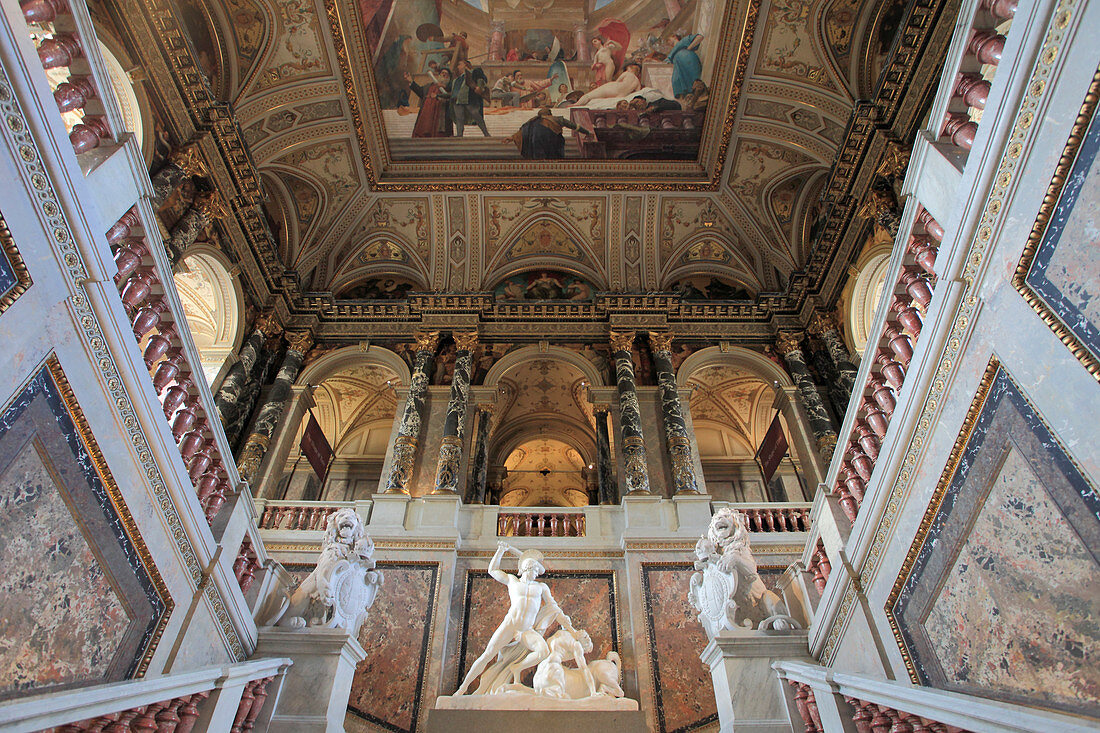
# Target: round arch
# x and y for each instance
(576, 435)
(863, 298)
(529, 353)
(336, 361)
(214, 302)
(738, 356)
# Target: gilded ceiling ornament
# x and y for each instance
(427, 340)
(661, 341)
(210, 205)
(622, 341)
(788, 341)
(465, 341)
(895, 159)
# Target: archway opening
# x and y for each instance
(212, 306)
(545, 472)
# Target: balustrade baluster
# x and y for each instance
(192, 441)
(122, 723)
(59, 50)
(148, 316)
(916, 286)
(259, 695)
(244, 707)
(185, 418)
(899, 344)
(867, 440)
(861, 463)
(189, 711)
(137, 288)
(861, 715)
(216, 499)
(1001, 10)
(201, 461)
(815, 714)
(801, 694)
(147, 721)
(158, 344)
(86, 135)
(960, 129)
(847, 502)
(892, 371)
(175, 396)
(853, 482)
(42, 11)
(908, 316)
(781, 516)
(73, 94)
(924, 252)
(168, 719)
(987, 46)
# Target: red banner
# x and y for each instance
(315, 447)
(772, 449)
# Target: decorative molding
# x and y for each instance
(13, 267)
(1051, 201)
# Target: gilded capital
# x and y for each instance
(268, 324)
(895, 159)
(788, 341)
(210, 205)
(601, 407)
(487, 407)
(822, 322)
(661, 341)
(299, 341)
(427, 340)
(188, 160)
(465, 341)
(622, 341)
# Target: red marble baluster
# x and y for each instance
(189, 711)
(205, 488)
(847, 502)
(867, 440)
(158, 344)
(972, 89)
(216, 499)
(192, 440)
(175, 396)
(801, 693)
(137, 288)
(122, 724)
(148, 316)
(987, 46)
(259, 695)
(168, 719)
(932, 227)
(201, 462)
(146, 721)
(1001, 10)
(862, 716)
(247, 698)
(86, 135)
(815, 714)
(59, 50)
(899, 344)
(908, 316)
(769, 520)
(853, 482)
(861, 463)
(823, 561)
(916, 286)
(892, 371)
(167, 370)
(42, 11)
(924, 252)
(74, 93)
(184, 419)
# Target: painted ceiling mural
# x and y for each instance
(553, 80)
(356, 200)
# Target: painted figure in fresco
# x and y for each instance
(505, 90)
(603, 60)
(461, 47)
(532, 609)
(540, 138)
(530, 88)
(545, 287)
(392, 66)
(469, 90)
(628, 83)
(434, 117)
(686, 66)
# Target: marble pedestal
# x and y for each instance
(315, 693)
(544, 721)
(747, 689)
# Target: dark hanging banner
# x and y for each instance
(772, 449)
(315, 447)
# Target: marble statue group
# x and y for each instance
(562, 671)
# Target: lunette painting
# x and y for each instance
(539, 79)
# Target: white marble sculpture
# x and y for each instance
(727, 590)
(519, 644)
(344, 584)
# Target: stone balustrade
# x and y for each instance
(299, 515)
(773, 516)
(67, 47)
(231, 698)
(975, 67)
(820, 699)
(540, 524)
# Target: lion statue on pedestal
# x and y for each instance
(727, 589)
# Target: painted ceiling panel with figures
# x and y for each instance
(357, 201)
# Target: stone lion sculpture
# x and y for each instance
(598, 677)
(344, 584)
(727, 590)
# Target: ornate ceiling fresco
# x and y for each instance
(343, 220)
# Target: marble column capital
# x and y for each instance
(788, 342)
(465, 341)
(601, 408)
(427, 340)
(210, 205)
(267, 323)
(299, 341)
(661, 342)
(821, 322)
(188, 160)
(622, 341)
(486, 407)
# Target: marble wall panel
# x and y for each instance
(388, 691)
(80, 598)
(682, 684)
(998, 596)
(589, 598)
(1059, 271)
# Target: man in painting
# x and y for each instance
(540, 138)
(461, 47)
(686, 66)
(434, 117)
(529, 88)
(505, 91)
(545, 287)
(628, 83)
(469, 90)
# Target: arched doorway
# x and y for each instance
(212, 302)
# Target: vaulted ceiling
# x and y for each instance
(303, 93)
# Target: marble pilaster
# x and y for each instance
(408, 432)
(206, 208)
(790, 347)
(635, 461)
(228, 398)
(450, 449)
(480, 486)
(607, 491)
(676, 432)
(825, 326)
(182, 164)
(271, 411)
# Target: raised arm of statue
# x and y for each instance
(494, 565)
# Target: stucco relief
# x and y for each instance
(787, 52)
(297, 50)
